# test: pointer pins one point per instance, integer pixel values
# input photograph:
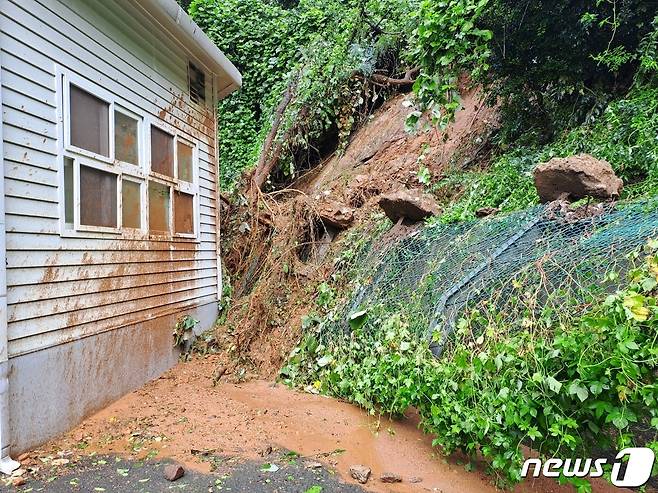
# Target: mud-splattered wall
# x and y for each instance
(71, 287)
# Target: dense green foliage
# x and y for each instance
(624, 134)
(563, 381)
(316, 47)
(550, 65)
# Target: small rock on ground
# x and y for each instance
(486, 211)
(172, 472)
(360, 473)
(390, 477)
(19, 481)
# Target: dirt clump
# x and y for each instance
(360, 473)
(335, 214)
(576, 177)
(410, 205)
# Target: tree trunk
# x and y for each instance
(269, 156)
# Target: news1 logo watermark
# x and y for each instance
(636, 473)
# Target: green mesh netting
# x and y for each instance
(438, 271)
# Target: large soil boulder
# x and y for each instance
(335, 214)
(412, 205)
(576, 177)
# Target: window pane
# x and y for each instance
(184, 162)
(68, 191)
(183, 213)
(125, 138)
(98, 198)
(131, 211)
(89, 122)
(162, 152)
(159, 206)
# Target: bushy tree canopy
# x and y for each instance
(549, 64)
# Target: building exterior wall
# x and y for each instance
(90, 315)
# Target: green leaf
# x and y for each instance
(358, 319)
(314, 489)
(553, 384)
(268, 467)
(578, 390)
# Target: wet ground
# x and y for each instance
(114, 474)
(234, 429)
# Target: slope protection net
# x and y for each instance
(563, 256)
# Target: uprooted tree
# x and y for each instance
(314, 70)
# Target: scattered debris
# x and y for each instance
(486, 211)
(360, 473)
(561, 209)
(335, 214)
(415, 479)
(390, 477)
(18, 481)
(173, 472)
(576, 177)
(269, 468)
(218, 374)
(412, 205)
(203, 453)
(265, 451)
(312, 465)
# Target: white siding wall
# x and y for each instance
(60, 288)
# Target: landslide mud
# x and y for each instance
(182, 415)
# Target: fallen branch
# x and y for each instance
(408, 79)
(265, 163)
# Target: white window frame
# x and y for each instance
(140, 174)
(77, 225)
(174, 183)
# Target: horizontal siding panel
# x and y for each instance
(44, 308)
(71, 289)
(51, 275)
(21, 102)
(96, 314)
(18, 242)
(33, 208)
(31, 224)
(68, 257)
(207, 201)
(208, 219)
(23, 189)
(21, 154)
(12, 79)
(42, 341)
(29, 123)
(27, 172)
(21, 137)
(207, 171)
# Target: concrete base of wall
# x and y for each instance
(53, 390)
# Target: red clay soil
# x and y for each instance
(182, 411)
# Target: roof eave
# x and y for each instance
(174, 20)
